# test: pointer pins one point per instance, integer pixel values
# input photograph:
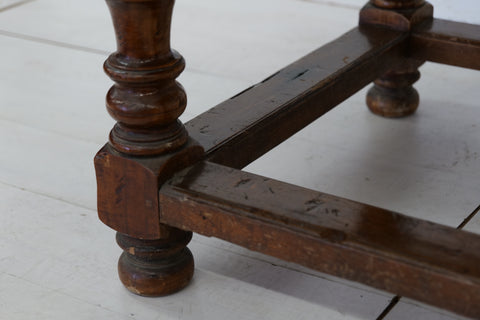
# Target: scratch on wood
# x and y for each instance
(242, 182)
(313, 204)
(204, 129)
(300, 74)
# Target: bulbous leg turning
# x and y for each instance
(156, 267)
(393, 96)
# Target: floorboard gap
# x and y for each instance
(470, 217)
(389, 308)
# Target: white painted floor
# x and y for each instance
(58, 261)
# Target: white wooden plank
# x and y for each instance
(407, 309)
(23, 300)
(62, 90)
(54, 89)
(49, 164)
(85, 24)
(461, 10)
(268, 33)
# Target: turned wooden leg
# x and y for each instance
(393, 95)
(147, 145)
(156, 267)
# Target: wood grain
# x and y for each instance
(146, 146)
(411, 257)
(241, 129)
(447, 42)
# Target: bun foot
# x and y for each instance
(393, 96)
(156, 268)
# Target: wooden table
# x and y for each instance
(159, 180)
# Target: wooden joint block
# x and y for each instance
(128, 187)
(398, 19)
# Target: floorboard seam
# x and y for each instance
(333, 4)
(104, 53)
(55, 133)
(46, 195)
(469, 218)
(15, 5)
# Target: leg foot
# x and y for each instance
(156, 267)
(393, 96)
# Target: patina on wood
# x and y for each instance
(159, 180)
(419, 259)
(447, 42)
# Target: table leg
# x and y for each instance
(393, 94)
(146, 146)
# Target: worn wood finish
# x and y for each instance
(447, 42)
(146, 100)
(387, 250)
(401, 16)
(156, 267)
(243, 128)
(127, 197)
(397, 4)
(146, 146)
(393, 95)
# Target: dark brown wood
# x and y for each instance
(241, 129)
(398, 15)
(127, 188)
(393, 94)
(146, 100)
(146, 146)
(397, 4)
(447, 42)
(156, 267)
(414, 258)
(149, 145)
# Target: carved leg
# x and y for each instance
(156, 267)
(147, 145)
(393, 94)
